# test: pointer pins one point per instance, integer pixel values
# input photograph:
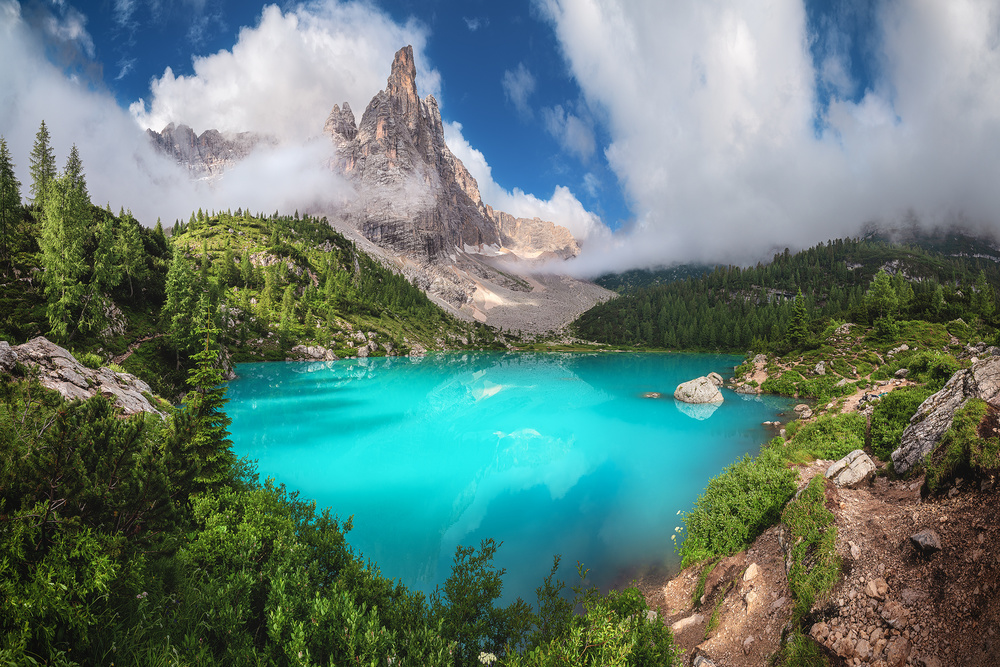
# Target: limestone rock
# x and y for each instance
(851, 470)
(59, 370)
(803, 411)
(820, 368)
(926, 541)
(902, 373)
(698, 390)
(895, 615)
(7, 357)
(934, 416)
(751, 572)
(897, 652)
(876, 588)
(686, 623)
(313, 353)
(715, 378)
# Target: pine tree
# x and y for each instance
(106, 275)
(178, 310)
(210, 447)
(131, 251)
(10, 200)
(42, 165)
(65, 226)
(798, 329)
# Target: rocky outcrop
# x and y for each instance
(417, 200)
(59, 370)
(934, 416)
(698, 390)
(206, 155)
(311, 353)
(851, 470)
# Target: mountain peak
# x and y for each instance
(402, 87)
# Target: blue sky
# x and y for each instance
(658, 132)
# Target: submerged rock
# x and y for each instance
(698, 390)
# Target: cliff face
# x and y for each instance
(415, 196)
(207, 155)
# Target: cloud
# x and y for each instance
(572, 132)
(121, 166)
(475, 23)
(563, 208)
(711, 109)
(518, 86)
(284, 75)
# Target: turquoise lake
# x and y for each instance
(549, 453)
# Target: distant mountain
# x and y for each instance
(206, 155)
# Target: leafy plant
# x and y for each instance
(892, 415)
(815, 566)
(970, 446)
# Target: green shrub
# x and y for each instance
(959, 329)
(737, 506)
(90, 360)
(815, 566)
(970, 446)
(831, 436)
(892, 415)
(784, 385)
(932, 368)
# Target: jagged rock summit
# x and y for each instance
(416, 197)
(206, 155)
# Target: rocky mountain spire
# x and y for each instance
(402, 88)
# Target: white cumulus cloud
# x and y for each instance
(283, 76)
(711, 108)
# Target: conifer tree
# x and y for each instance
(798, 328)
(42, 166)
(131, 251)
(65, 225)
(210, 447)
(178, 310)
(10, 200)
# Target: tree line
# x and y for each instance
(735, 309)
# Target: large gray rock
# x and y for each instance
(715, 378)
(57, 369)
(7, 357)
(698, 390)
(934, 416)
(851, 470)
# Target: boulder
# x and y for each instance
(685, 623)
(803, 411)
(934, 416)
(926, 541)
(7, 357)
(715, 378)
(313, 353)
(820, 368)
(851, 470)
(902, 373)
(59, 370)
(698, 390)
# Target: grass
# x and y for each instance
(815, 566)
(830, 436)
(970, 446)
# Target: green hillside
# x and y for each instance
(735, 309)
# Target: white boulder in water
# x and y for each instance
(698, 390)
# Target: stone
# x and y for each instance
(902, 373)
(715, 378)
(820, 631)
(820, 368)
(851, 470)
(747, 643)
(895, 615)
(760, 360)
(926, 541)
(702, 661)
(209, 154)
(897, 652)
(876, 588)
(698, 390)
(685, 623)
(59, 370)
(934, 416)
(863, 649)
(855, 550)
(7, 357)
(803, 411)
(751, 572)
(896, 350)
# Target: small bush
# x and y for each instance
(737, 506)
(932, 368)
(891, 417)
(831, 436)
(90, 360)
(815, 566)
(784, 385)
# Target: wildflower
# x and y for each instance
(487, 658)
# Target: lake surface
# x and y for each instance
(549, 453)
